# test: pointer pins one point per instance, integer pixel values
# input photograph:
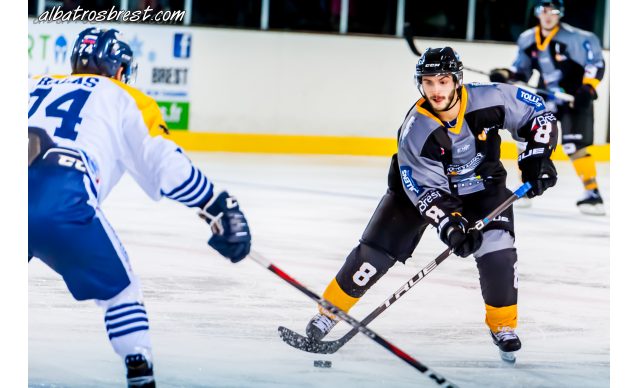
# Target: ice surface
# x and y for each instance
(214, 324)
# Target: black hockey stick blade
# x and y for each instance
(408, 36)
(306, 344)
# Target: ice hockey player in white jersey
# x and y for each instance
(85, 131)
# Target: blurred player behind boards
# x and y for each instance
(85, 131)
(569, 60)
(447, 173)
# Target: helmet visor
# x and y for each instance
(130, 74)
(539, 10)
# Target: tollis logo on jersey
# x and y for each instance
(530, 99)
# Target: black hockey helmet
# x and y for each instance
(557, 5)
(439, 61)
(102, 52)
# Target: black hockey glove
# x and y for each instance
(540, 172)
(500, 75)
(231, 235)
(584, 97)
(455, 232)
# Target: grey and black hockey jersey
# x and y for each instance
(438, 164)
(566, 59)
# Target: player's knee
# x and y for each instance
(129, 294)
(362, 269)
(569, 149)
(574, 146)
(575, 151)
(499, 275)
(395, 227)
(494, 240)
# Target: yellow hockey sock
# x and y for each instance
(585, 167)
(338, 297)
(499, 317)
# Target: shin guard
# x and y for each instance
(362, 269)
(585, 167)
(499, 284)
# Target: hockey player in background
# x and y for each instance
(569, 60)
(447, 173)
(85, 131)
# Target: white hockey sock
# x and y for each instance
(127, 323)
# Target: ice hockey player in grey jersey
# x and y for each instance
(447, 173)
(569, 60)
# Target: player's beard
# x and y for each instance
(448, 103)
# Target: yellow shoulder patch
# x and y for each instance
(151, 113)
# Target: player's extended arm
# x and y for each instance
(163, 170)
(541, 135)
(230, 231)
(521, 69)
(590, 54)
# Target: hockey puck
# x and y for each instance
(322, 364)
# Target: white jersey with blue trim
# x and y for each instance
(116, 128)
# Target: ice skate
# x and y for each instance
(319, 326)
(507, 342)
(592, 203)
(139, 372)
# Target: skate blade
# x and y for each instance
(508, 357)
(592, 210)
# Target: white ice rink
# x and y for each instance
(214, 324)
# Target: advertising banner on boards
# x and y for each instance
(163, 56)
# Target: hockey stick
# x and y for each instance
(358, 326)
(329, 347)
(543, 92)
(408, 36)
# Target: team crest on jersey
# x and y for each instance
(530, 99)
(408, 181)
(461, 169)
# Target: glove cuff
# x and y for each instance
(449, 223)
(213, 210)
